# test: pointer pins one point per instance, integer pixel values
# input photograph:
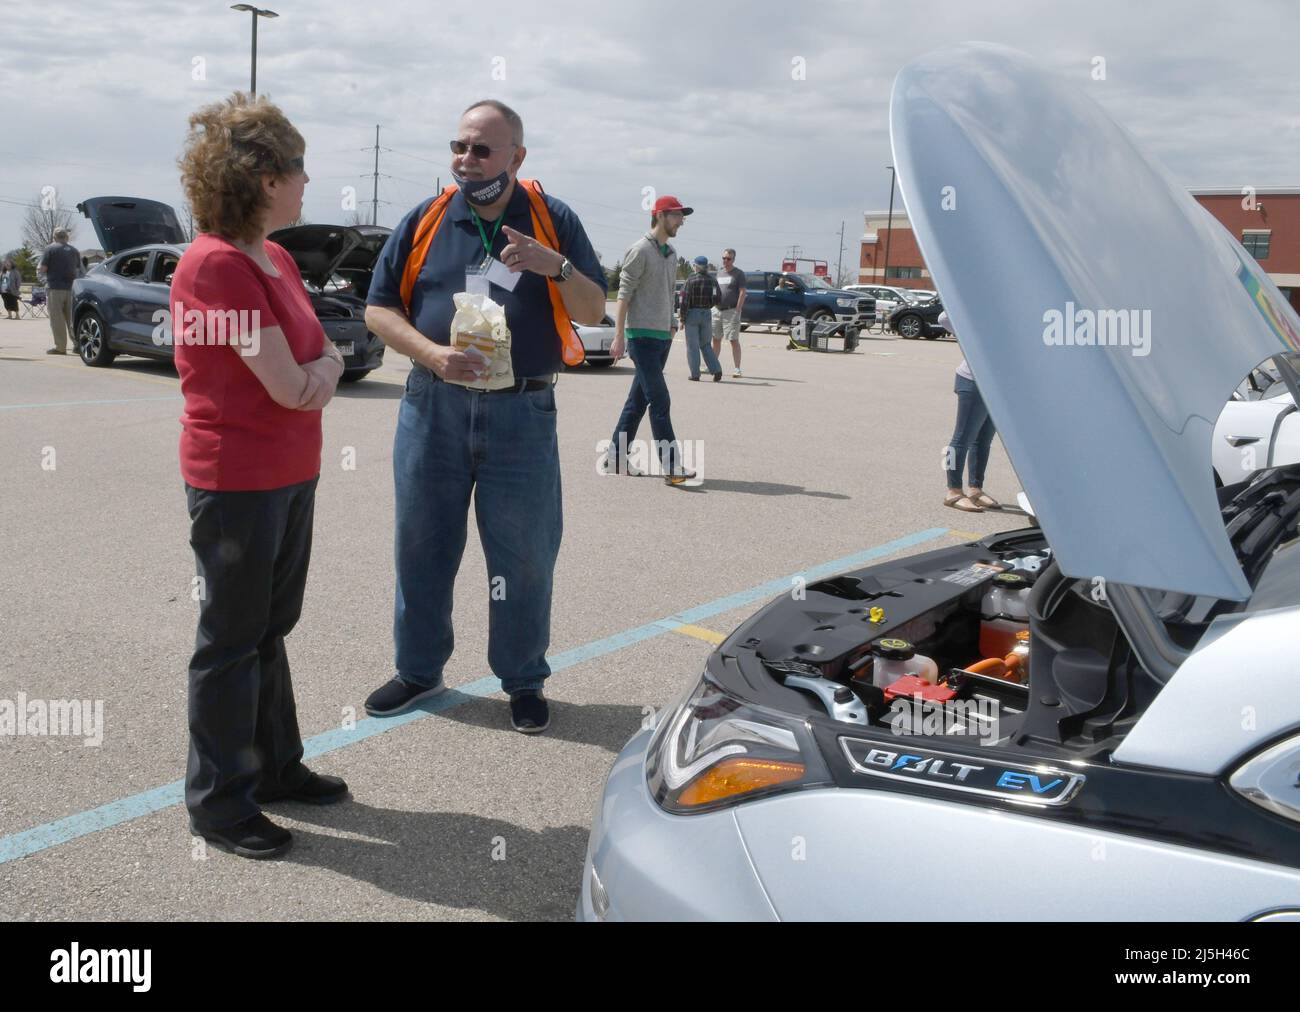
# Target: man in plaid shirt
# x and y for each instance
(699, 296)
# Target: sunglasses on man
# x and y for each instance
(477, 150)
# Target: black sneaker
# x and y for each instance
(529, 713)
(717, 377)
(397, 696)
(693, 379)
(256, 837)
(315, 790)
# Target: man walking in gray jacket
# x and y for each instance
(60, 265)
(643, 325)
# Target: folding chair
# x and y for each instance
(34, 307)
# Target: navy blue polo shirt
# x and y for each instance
(534, 345)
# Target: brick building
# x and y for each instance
(906, 266)
(1266, 222)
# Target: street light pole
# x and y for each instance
(256, 13)
(889, 226)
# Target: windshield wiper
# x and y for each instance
(1260, 517)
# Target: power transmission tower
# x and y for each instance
(374, 213)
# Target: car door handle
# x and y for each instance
(1241, 440)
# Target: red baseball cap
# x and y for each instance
(671, 204)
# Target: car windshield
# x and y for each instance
(814, 281)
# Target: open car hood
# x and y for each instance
(1027, 198)
(321, 251)
(123, 223)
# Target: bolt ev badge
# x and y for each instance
(1030, 785)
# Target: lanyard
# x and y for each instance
(482, 232)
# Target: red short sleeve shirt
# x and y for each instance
(234, 437)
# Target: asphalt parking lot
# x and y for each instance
(810, 461)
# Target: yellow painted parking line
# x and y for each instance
(700, 633)
(965, 535)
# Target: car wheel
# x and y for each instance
(600, 363)
(352, 375)
(92, 340)
(909, 325)
(820, 316)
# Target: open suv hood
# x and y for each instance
(123, 223)
(321, 251)
(1031, 204)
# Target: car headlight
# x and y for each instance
(715, 751)
(844, 303)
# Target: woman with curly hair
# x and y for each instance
(256, 369)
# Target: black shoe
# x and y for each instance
(717, 377)
(529, 712)
(315, 790)
(693, 379)
(257, 837)
(398, 696)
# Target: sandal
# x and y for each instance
(963, 503)
(982, 498)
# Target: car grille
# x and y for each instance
(332, 309)
(866, 306)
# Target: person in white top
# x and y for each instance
(971, 439)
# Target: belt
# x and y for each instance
(526, 384)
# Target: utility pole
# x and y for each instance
(374, 212)
(839, 271)
(889, 228)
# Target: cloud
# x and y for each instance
(771, 120)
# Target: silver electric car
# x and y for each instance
(1095, 717)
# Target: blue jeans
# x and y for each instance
(699, 340)
(972, 436)
(501, 447)
(649, 390)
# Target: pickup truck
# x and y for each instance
(777, 297)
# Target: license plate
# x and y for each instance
(345, 347)
(605, 342)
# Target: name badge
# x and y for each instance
(499, 274)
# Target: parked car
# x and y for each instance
(887, 298)
(866, 748)
(596, 340)
(114, 306)
(920, 319)
(778, 297)
(1260, 427)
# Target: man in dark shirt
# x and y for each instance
(699, 296)
(453, 440)
(60, 265)
(731, 279)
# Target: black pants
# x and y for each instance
(251, 550)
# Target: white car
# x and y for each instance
(596, 341)
(887, 298)
(1260, 426)
(1097, 718)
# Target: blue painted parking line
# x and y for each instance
(115, 813)
(78, 404)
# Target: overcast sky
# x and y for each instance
(701, 100)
